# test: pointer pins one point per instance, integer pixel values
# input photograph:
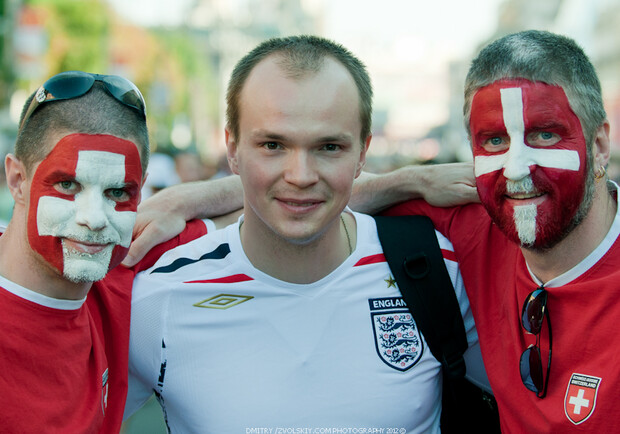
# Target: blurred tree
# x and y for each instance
(165, 64)
(7, 76)
(193, 83)
(78, 31)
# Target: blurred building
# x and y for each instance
(227, 29)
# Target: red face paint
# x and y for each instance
(520, 129)
(87, 191)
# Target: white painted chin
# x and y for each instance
(525, 223)
(82, 267)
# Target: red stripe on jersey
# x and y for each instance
(448, 255)
(228, 279)
(372, 259)
(193, 229)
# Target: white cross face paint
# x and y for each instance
(517, 160)
(529, 159)
(85, 200)
(90, 221)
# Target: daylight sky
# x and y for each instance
(456, 22)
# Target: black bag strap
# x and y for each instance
(415, 259)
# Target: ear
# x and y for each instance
(601, 147)
(231, 152)
(16, 179)
(362, 161)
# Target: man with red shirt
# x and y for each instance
(540, 257)
(76, 174)
(75, 178)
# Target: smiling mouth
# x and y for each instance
(524, 196)
(301, 204)
(84, 247)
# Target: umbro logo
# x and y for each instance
(223, 301)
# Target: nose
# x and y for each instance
(517, 165)
(90, 209)
(300, 169)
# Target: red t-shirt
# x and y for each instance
(63, 363)
(584, 381)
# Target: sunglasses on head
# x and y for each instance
(73, 84)
(531, 363)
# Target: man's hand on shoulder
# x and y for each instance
(156, 223)
(439, 184)
(162, 216)
(449, 184)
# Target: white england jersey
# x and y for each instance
(229, 349)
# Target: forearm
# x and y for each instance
(373, 193)
(440, 185)
(202, 199)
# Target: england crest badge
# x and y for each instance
(580, 398)
(397, 338)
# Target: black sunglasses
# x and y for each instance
(531, 365)
(73, 84)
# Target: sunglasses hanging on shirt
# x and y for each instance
(534, 312)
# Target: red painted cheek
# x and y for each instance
(486, 185)
(118, 254)
(564, 180)
(565, 189)
(491, 190)
(49, 247)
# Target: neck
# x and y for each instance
(21, 265)
(300, 263)
(582, 240)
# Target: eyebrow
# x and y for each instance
(60, 173)
(265, 134)
(268, 135)
(545, 125)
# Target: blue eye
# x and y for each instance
(67, 187)
(117, 194)
(496, 141)
(545, 135)
(542, 138)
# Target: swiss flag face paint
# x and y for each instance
(529, 159)
(83, 202)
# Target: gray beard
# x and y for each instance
(79, 267)
(525, 223)
(578, 218)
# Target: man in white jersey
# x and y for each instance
(290, 317)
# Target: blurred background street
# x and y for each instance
(180, 54)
